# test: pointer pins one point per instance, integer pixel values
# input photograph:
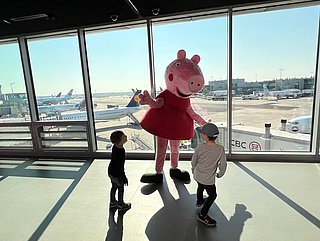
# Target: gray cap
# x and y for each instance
(209, 129)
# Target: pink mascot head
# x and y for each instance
(183, 76)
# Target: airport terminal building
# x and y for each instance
(71, 74)
(243, 87)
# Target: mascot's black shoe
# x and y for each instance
(180, 175)
(152, 178)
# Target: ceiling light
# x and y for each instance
(29, 17)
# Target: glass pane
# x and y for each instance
(58, 83)
(57, 75)
(64, 136)
(15, 136)
(208, 39)
(13, 105)
(119, 66)
(273, 70)
(13, 96)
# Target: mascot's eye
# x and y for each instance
(178, 64)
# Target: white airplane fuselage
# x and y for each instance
(54, 99)
(300, 124)
(53, 109)
(102, 115)
(281, 94)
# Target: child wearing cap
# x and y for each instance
(207, 163)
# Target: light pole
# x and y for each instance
(12, 83)
(281, 77)
(281, 72)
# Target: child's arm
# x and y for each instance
(125, 180)
(194, 160)
(120, 157)
(222, 165)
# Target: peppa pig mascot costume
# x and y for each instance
(170, 116)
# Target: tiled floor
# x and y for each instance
(68, 200)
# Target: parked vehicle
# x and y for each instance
(250, 97)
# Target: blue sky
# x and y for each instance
(118, 60)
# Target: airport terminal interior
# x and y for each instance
(72, 73)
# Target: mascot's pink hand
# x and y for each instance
(145, 98)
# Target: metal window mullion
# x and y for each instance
(92, 141)
(229, 106)
(33, 111)
(315, 135)
(151, 66)
(151, 58)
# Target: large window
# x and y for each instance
(58, 82)
(266, 57)
(273, 79)
(13, 105)
(208, 39)
(119, 70)
(56, 71)
(12, 87)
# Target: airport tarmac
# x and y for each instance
(251, 113)
(248, 120)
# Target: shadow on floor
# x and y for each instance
(177, 219)
(115, 231)
(302, 211)
(47, 170)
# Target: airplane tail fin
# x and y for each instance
(82, 105)
(134, 101)
(58, 95)
(265, 89)
(68, 96)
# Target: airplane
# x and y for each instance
(50, 110)
(282, 94)
(108, 114)
(54, 99)
(301, 124)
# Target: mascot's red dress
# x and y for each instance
(170, 116)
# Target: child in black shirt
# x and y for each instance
(116, 171)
